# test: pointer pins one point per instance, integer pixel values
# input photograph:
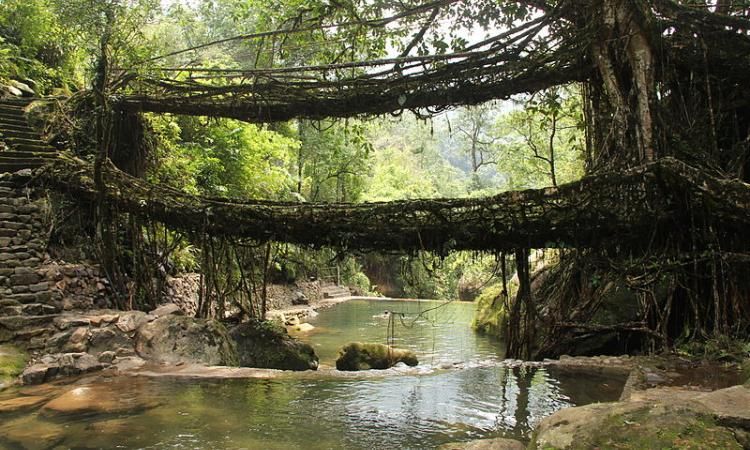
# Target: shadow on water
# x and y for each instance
(405, 411)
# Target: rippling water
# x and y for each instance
(389, 412)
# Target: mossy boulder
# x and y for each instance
(359, 356)
(490, 317)
(12, 362)
(633, 425)
(177, 339)
(266, 344)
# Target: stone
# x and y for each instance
(77, 342)
(38, 373)
(299, 298)
(20, 404)
(63, 323)
(485, 444)
(265, 344)
(30, 433)
(97, 399)
(24, 278)
(632, 425)
(107, 338)
(175, 339)
(60, 364)
(132, 320)
(168, 309)
(365, 356)
(107, 357)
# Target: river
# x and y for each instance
(462, 391)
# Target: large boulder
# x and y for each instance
(667, 419)
(178, 339)
(265, 344)
(359, 356)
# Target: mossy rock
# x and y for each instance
(266, 344)
(359, 356)
(12, 362)
(490, 317)
(745, 367)
(632, 425)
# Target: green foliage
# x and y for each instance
(719, 348)
(222, 157)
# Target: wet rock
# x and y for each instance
(20, 404)
(30, 433)
(359, 356)
(485, 444)
(166, 310)
(265, 344)
(176, 339)
(107, 357)
(97, 399)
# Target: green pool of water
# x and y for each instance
(391, 412)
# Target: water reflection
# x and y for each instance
(400, 411)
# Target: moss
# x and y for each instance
(745, 367)
(359, 356)
(12, 362)
(669, 428)
(490, 317)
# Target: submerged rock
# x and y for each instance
(30, 433)
(265, 344)
(485, 444)
(98, 399)
(359, 356)
(20, 403)
(176, 339)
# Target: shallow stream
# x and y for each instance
(477, 398)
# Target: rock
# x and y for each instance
(77, 341)
(632, 425)
(103, 319)
(98, 399)
(12, 361)
(20, 403)
(28, 432)
(359, 356)
(298, 298)
(108, 338)
(265, 344)
(485, 444)
(132, 320)
(107, 357)
(166, 310)
(304, 328)
(60, 364)
(175, 339)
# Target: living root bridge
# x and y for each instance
(602, 210)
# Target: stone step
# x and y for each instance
(33, 148)
(24, 128)
(12, 119)
(9, 134)
(16, 167)
(29, 155)
(21, 322)
(14, 141)
(335, 291)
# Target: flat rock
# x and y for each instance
(30, 433)
(132, 320)
(21, 403)
(166, 310)
(97, 399)
(485, 444)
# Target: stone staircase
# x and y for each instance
(27, 307)
(335, 291)
(23, 149)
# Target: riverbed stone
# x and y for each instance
(266, 344)
(175, 339)
(97, 399)
(485, 444)
(20, 403)
(31, 433)
(365, 356)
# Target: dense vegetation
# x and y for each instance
(613, 120)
